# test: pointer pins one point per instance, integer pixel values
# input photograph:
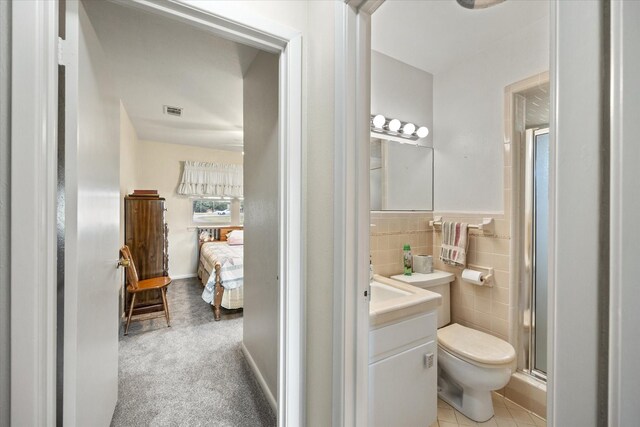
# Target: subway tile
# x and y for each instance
(500, 327)
(498, 262)
(501, 278)
(483, 320)
(483, 305)
(373, 243)
(467, 300)
(483, 291)
(502, 227)
(492, 245)
(376, 257)
(500, 310)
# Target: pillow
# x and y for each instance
(236, 237)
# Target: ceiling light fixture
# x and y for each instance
(394, 127)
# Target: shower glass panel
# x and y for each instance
(540, 243)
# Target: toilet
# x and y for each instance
(471, 363)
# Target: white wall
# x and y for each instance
(468, 110)
(5, 230)
(401, 91)
(260, 101)
(159, 167)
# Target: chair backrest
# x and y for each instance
(132, 273)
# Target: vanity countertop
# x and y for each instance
(393, 301)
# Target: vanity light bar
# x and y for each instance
(407, 130)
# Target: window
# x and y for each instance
(217, 211)
(211, 211)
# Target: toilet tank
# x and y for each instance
(438, 282)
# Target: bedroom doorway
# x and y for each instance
(201, 134)
(87, 370)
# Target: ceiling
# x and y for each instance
(434, 35)
(158, 61)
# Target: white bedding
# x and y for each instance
(232, 268)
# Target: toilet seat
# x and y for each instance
(475, 347)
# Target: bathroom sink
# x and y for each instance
(393, 301)
(381, 292)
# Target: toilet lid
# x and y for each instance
(475, 345)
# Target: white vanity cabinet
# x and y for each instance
(403, 372)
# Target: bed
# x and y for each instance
(220, 269)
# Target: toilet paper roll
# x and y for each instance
(473, 276)
(423, 264)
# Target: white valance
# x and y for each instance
(211, 179)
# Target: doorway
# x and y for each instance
(265, 35)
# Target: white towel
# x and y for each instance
(454, 243)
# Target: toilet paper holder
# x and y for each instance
(488, 277)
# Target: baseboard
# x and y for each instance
(260, 378)
(183, 276)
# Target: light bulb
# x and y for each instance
(408, 128)
(379, 121)
(394, 125)
(422, 132)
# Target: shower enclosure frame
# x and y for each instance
(515, 142)
(530, 231)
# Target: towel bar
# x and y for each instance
(487, 224)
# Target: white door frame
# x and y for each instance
(34, 84)
(624, 340)
(351, 211)
(34, 151)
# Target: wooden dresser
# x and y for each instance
(145, 233)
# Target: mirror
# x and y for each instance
(401, 176)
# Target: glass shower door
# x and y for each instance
(536, 232)
(540, 250)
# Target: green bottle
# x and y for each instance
(408, 260)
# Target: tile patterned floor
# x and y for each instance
(507, 414)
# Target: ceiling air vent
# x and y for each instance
(173, 111)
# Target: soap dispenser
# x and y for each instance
(408, 260)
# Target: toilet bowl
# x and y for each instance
(471, 364)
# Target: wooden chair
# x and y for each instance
(136, 286)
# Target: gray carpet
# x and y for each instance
(191, 374)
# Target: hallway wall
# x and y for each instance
(5, 226)
(260, 101)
